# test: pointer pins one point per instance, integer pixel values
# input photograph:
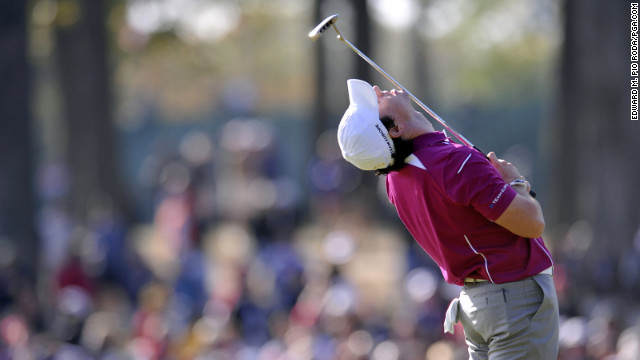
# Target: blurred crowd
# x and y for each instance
(237, 262)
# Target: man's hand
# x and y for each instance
(523, 216)
(508, 171)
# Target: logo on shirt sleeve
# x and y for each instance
(495, 200)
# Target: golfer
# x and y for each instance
(473, 216)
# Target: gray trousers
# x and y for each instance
(517, 320)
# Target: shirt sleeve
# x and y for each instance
(472, 180)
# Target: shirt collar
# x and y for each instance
(429, 139)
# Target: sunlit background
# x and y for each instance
(184, 196)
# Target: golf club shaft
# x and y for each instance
(399, 86)
(331, 21)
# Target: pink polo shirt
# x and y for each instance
(448, 200)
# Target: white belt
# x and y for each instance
(472, 281)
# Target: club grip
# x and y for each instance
(531, 192)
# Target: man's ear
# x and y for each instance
(395, 131)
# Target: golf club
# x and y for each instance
(330, 21)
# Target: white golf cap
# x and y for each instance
(363, 139)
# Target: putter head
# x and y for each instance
(324, 25)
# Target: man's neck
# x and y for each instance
(421, 126)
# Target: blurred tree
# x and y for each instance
(85, 82)
(363, 38)
(320, 102)
(593, 145)
(16, 163)
(419, 58)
